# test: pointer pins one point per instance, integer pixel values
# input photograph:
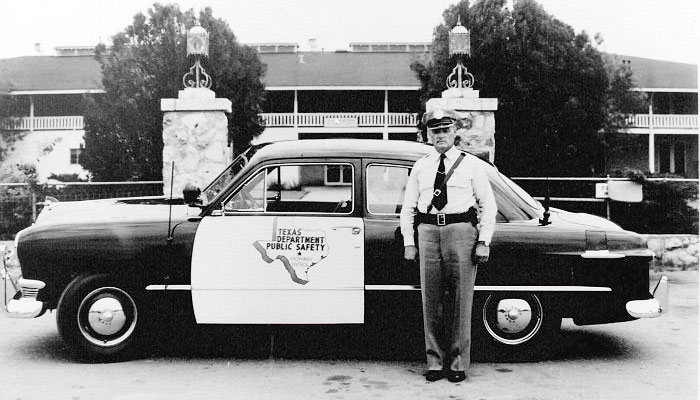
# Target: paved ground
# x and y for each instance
(646, 359)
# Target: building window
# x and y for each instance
(338, 175)
(672, 155)
(75, 155)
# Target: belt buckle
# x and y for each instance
(440, 219)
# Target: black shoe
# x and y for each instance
(434, 375)
(456, 376)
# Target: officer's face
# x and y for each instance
(442, 138)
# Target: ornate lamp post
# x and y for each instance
(460, 45)
(477, 125)
(198, 45)
(195, 126)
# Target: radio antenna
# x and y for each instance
(169, 240)
(545, 220)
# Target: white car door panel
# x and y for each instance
(271, 269)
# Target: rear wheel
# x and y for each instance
(515, 327)
(99, 318)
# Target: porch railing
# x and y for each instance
(675, 121)
(352, 119)
(43, 123)
(679, 121)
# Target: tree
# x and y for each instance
(146, 62)
(551, 84)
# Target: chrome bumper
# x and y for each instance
(26, 306)
(654, 307)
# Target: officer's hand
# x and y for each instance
(481, 254)
(410, 253)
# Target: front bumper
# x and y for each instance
(26, 306)
(654, 307)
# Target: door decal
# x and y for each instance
(297, 249)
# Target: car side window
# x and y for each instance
(296, 188)
(386, 185)
(250, 197)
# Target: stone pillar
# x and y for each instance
(477, 128)
(195, 137)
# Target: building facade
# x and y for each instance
(366, 92)
(664, 137)
(47, 129)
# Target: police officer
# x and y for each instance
(449, 245)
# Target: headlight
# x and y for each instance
(11, 260)
(16, 242)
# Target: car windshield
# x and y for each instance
(513, 202)
(223, 180)
(521, 192)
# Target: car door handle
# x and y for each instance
(355, 230)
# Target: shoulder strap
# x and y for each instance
(447, 177)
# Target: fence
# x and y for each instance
(20, 202)
(667, 207)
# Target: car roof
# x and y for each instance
(308, 148)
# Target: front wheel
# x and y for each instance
(98, 318)
(514, 327)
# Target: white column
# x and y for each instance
(296, 115)
(385, 134)
(652, 161)
(672, 156)
(31, 113)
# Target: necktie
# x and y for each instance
(440, 200)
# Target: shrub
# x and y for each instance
(667, 207)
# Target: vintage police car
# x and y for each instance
(306, 232)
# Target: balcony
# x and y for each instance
(663, 123)
(640, 123)
(42, 123)
(276, 120)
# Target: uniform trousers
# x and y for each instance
(447, 276)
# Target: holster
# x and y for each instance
(471, 218)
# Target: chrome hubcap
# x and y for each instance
(514, 315)
(107, 316)
(512, 320)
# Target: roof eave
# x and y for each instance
(379, 87)
(54, 91)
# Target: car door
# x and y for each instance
(386, 268)
(285, 247)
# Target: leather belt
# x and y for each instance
(443, 219)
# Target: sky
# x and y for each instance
(659, 29)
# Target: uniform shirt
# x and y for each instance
(468, 186)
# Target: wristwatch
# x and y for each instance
(482, 242)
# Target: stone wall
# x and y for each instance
(197, 143)
(195, 138)
(475, 133)
(678, 252)
(476, 127)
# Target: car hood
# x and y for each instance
(564, 217)
(117, 209)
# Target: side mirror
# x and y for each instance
(191, 194)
